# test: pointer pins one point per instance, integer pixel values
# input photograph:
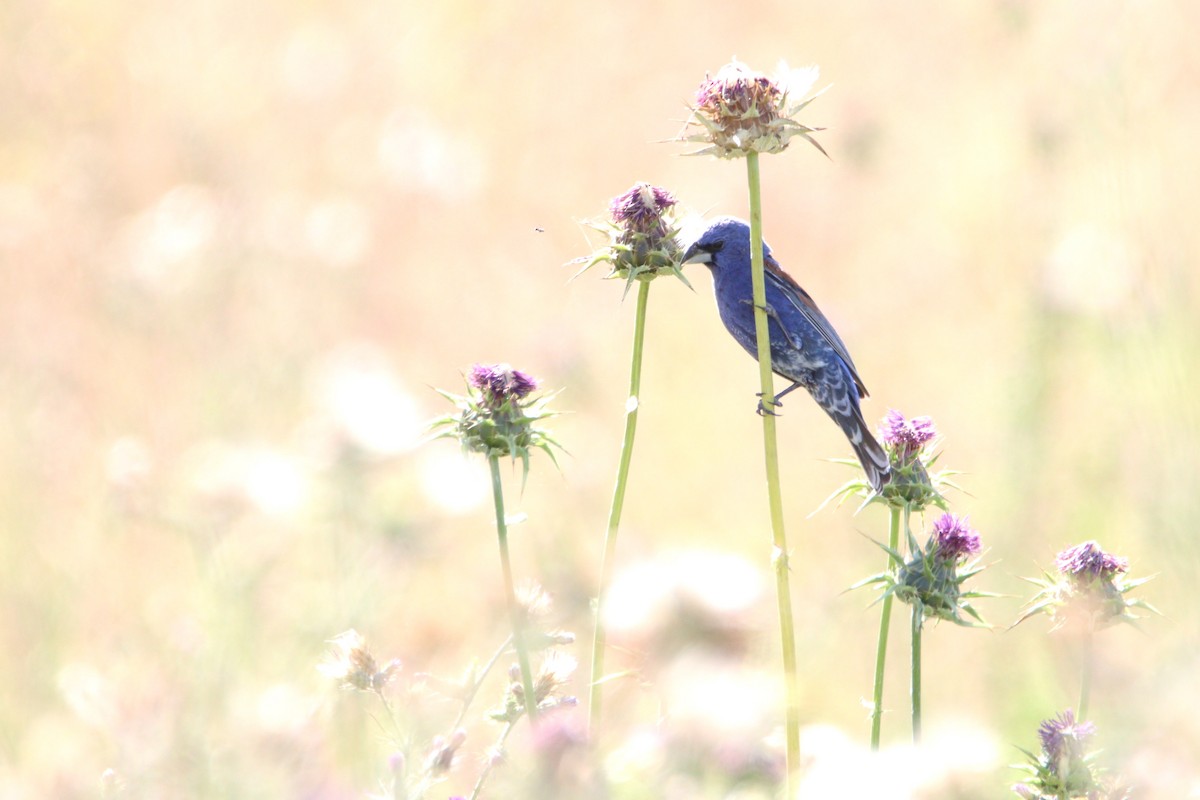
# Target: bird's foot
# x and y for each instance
(762, 405)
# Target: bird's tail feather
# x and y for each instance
(870, 454)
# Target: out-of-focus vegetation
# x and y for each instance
(240, 241)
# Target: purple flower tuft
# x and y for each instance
(907, 436)
(739, 111)
(1088, 562)
(954, 540)
(641, 208)
(739, 92)
(1062, 736)
(500, 382)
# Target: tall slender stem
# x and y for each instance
(918, 619)
(477, 681)
(496, 757)
(775, 496)
(514, 610)
(885, 621)
(614, 514)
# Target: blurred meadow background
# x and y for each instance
(240, 242)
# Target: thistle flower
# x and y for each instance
(739, 111)
(1064, 768)
(953, 540)
(498, 416)
(641, 233)
(554, 673)
(910, 444)
(1088, 591)
(932, 578)
(498, 383)
(906, 437)
(352, 665)
(442, 753)
(1063, 737)
(1086, 562)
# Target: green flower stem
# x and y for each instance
(614, 514)
(1085, 679)
(885, 621)
(918, 618)
(775, 496)
(514, 610)
(497, 748)
(478, 679)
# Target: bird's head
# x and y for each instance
(725, 240)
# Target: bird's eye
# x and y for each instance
(715, 247)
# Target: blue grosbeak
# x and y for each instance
(805, 348)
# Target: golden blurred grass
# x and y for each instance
(216, 219)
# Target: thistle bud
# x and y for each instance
(354, 667)
(1088, 592)
(498, 416)
(910, 444)
(932, 576)
(1064, 767)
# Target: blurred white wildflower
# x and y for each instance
(22, 216)
(269, 480)
(127, 463)
(112, 785)
(362, 397)
(717, 696)
(338, 231)
(315, 62)
(163, 248)
(1092, 269)
(453, 482)
(837, 766)
(281, 709)
(417, 154)
(88, 694)
(639, 755)
(646, 595)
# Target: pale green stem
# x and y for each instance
(614, 514)
(494, 758)
(918, 618)
(514, 610)
(478, 682)
(885, 621)
(775, 496)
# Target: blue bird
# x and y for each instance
(805, 348)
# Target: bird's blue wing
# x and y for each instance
(805, 305)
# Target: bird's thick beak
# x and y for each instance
(695, 255)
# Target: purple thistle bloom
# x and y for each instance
(1063, 736)
(906, 436)
(954, 540)
(500, 382)
(740, 111)
(641, 236)
(641, 208)
(1088, 562)
(739, 92)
